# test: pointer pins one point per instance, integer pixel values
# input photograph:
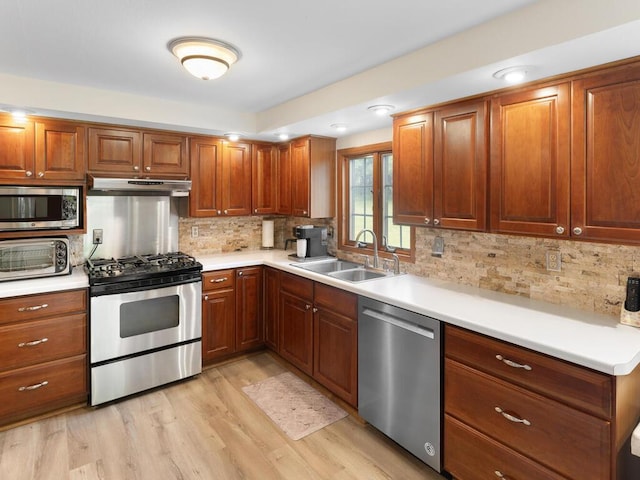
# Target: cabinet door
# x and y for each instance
(460, 166)
(605, 176)
(284, 180)
(249, 326)
(17, 155)
(114, 151)
(60, 151)
(165, 154)
(218, 324)
(271, 304)
(235, 179)
(264, 179)
(296, 331)
(300, 179)
(413, 169)
(530, 162)
(204, 199)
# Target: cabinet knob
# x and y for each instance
(436, 221)
(28, 173)
(307, 306)
(304, 212)
(219, 212)
(148, 169)
(40, 174)
(427, 221)
(206, 297)
(577, 231)
(315, 310)
(255, 210)
(136, 168)
(559, 229)
(240, 273)
(226, 212)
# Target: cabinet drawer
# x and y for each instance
(218, 280)
(336, 300)
(570, 442)
(585, 389)
(17, 309)
(470, 455)
(66, 383)
(38, 341)
(298, 286)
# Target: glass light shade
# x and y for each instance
(204, 58)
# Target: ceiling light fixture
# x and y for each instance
(340, 127)
(232, 136)
(381, 109)
(204, 58)
(283, 136)
(513, 74)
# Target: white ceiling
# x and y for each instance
(304, 65)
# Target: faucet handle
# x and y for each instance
(366, 261)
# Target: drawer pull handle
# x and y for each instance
(512, 363)
(32, 308)
(512, 418)
(33, 387)
(219, 280)
(33, 343)
(501, 475)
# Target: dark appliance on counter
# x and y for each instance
(316, 239)
(145, 326)
(40, 208)
(34, 258)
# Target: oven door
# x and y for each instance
(124, 324)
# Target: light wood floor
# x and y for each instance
(204, 428)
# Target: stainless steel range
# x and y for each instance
(145, 327)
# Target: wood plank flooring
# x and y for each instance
(204, 428)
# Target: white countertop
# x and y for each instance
(77, 279)
(589, 339)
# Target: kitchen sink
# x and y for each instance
(330, 266)
(357, 275)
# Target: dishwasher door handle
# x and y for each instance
(399, 322)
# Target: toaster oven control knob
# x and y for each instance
(559, 229)
(28, 173)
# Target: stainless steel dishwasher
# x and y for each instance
(399, 381)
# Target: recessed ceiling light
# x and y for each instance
(381, 109)
(204, 58)
(513, 74)
(340, 127)
(232, 136)
(282, 136)
(19, 114)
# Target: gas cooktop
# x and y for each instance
(141, 267)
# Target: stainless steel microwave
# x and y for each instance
(40, 208)
(34, 258)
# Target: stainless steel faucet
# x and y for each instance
(375, 244)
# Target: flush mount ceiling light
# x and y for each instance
(381, 109)
(232, 136)
(204, 58)
(513, 74)
(282, 136)
(340, 127)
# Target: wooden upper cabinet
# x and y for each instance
(165, 154)
(460, 166)
(530, 149)
(413, 169)
(205, 155)
(605, 165)
(60, 150)
(235, 179)
(17, 153)
(283, 197)
(115, 151)
(313, 162)
(264, 179)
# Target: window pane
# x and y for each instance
(397, 236)
(360, 195)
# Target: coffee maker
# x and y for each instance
(316, 240)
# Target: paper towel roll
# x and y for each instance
(267, 234)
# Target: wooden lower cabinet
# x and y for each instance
(526, 415)
(296, 321)
(43, 353)
(249, 320)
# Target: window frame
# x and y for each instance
(344, 156)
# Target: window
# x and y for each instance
(366, 180)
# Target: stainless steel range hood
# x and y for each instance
(139, 186)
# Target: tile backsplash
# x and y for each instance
(593, 275)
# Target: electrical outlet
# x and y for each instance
(97, 236)
(194, 231)
(554, 261)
